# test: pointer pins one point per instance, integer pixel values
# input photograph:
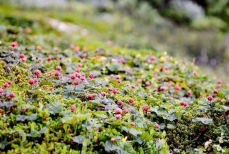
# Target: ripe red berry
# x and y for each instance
(189, 92)
(112, 139)
(119, 81)
(145, 107)
(118, 111)
(89, 96)
(117, 77)
(77, 70)
(194, 73)
(181, 103)
(114, 91)
(119, 116)
(39, 47)
(185, 104)
(126, 111)
(73, 76)
(132, 86)
(22, 56)
(31, 81)
(162, 88)
(82, 78)
(14, 44)
(1, 91)
(156, 125)
(23, 108)
(51, 88)
(6, 85)
(44, 86)
(166, 68)
(139, 80)
(147, 83)
(37, 72)
(177, 88)
(94, 95)
(110, 89)
(210, 98)
(9, 82)
(132, 124)
(215, 91)
(153, 58)
(58, 68)
(120, 102)
(103, 93)
(39, 59)
(219, 81)
(131, 100)
(76, 83)
(219, 85)
(49, 58)
(80, 65)
(91, 76)
(73, 107)
(57, 74)
(12, 95)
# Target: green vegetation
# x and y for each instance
(79, 93)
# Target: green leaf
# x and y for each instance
(3, 144)
(170, 126)
(224, 129)
(203, 120)
(134, 132)
(109, 146)
(78, 139)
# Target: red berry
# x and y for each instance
(162, 88)
(80, 65)
(189, 92)
(166, 68)
(82, 78)
(181, 103)
(177, 88)
(153, 58)
(58, 68)
(117, 77)
(39, 47)
(156, 125)
(9, 82)
(126, 111)
(73, 76)
(73, 107)
(49, 58)
(147, 83)
(12, 95)
(132, 86)
(114, 91)
(119, 81)
(145, 107)
(31, 81)
(1, 91)
(23, 108)
(77, 70)
(6, 85)
(120, 102)
(131, 100)
(57, 74)
(118, 111)
(132, 124)
(91, 76)
(51, 88)
(89, 96)
(37, 72)
(39, 59)
(219, 85)
(22, 56)
(44, 86)
(194, 73)
(219, 81)
(14, 44)
(76, 83)
(110, 89)
(119, 116)
(139, 80)
(94, 95)
(210, 98)
(185, 104)
(112, 139)
(103, 93)
(215, 91)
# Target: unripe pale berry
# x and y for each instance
(1, 91)
(112, 139)
(23, 108)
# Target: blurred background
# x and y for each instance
(191, 30)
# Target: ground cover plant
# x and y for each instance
(102, 98)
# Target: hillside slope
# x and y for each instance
(99, 98)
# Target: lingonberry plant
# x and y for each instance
(89, 99)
